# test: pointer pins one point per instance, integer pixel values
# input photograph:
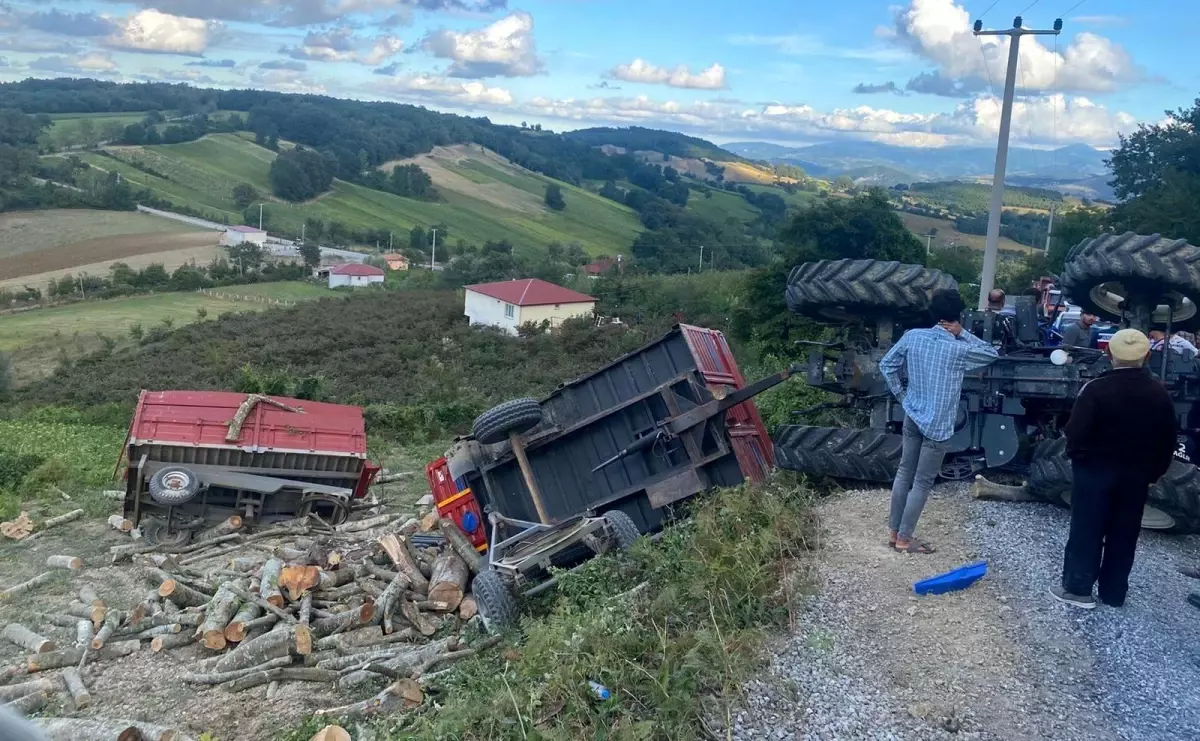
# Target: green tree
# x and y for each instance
(418, 239)
(244, 194)
(311, 254)
(1070, 229)
(843, 183)
(87, 133)
(554, 197)
(245, 257)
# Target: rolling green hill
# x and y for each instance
(483, 196)
(637, 138)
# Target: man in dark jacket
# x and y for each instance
(1121, 437)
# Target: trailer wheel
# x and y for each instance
(851, 290)
(174, 485)
(1102, 272)
(624, 529)
(495, 600)
(495, 425)
(155, 532)
(863, 455)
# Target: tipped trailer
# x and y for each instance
(604, 459)
(195, 458)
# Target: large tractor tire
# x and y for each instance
(854, 290)
(1102, 272)
(1174, 502)
(496, 602)
(495, 425)
(862, 455)
(625, 530)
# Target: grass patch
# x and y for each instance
(42, 458)
(673, 628)
(284, 290)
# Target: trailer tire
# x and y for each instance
(154, 531)
(850, 290)
(174, 485)
(624, 529)
(862, 455)
(496, 603)
(1166, 266)
(1174, 502)
(495, 425)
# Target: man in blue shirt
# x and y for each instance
(934, 361)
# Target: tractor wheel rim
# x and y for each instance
(1154, 518)
(177, 481)
(1108, 297)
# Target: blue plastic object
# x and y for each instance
(600, 690)
(951, 581)
(470, 522)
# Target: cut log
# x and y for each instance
(298, 579)
(245, 563)
(88, 596)
(28, 704)
(990, 490)
(334, 579)
(269, 582)
(120, 524)
(221, 609)
(429, 522)
(181, 594)
(226, 527)
(159, 630)
(361, 658)
(264, 604)
(10, 692)
(167, 642)
(112, 621)
(27, 639)
(378, 571)
(87, 612)
(403, 663)
(389, 600)
(467, 609)
(365, 639)
(449, 581)
(357, 526)
(18, 589)
(423, 623)
(348, 620)
(461, 545)
(64, 562)
(79, 692)
(295, 674)
(98, 729)
(215, 678)
(84, 630)
(390, 477)
(331, 733)
(276, 644)
(304, 638)
(432, 605)
(53, 522)
(405, 564)
(400, 696)
(72, 656)
(235, 632)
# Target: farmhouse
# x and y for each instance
(354, 274)
(603, 267)
(396, 261)
(509, 304)
(241, 234)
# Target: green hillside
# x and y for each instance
(483, 196)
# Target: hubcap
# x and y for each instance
(1108, 297)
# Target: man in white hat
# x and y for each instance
(1121, 438)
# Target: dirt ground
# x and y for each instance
(170, 259)
(94, 253)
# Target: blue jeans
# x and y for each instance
(920, 463)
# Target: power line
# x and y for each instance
(1073, 7)
(1027, 7)
(986, 68)
(981, 15)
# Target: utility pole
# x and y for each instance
(992, 247)
(1050, 228)
(433, 252)
(260, 210)
(303, 228)
(928, 244)
(701, 270)
(389, 241)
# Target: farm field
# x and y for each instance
(484, 197)
(170, 259)
(24, 232)
(723, 205)
(67, 128)
(947, 233)
(794, 200)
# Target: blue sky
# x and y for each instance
(898, 71)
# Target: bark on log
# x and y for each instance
(357, 526)
(178, 640)
(295, 674)
(264, 604)
(245, 563)
(120, 524)
(334, 579)
(403, 663)
(10, 692)
(361, 658)
(87, 612)
(88, 596)
(230, 525)
(990, 490)
(467, 609)
(27, 639)
(30, 703)
(64, 562)
(181, 594)
(84, 630)
(423, 623)
(215, 678)
(99, 729)
(235, 632)
(71, 656)
(366, 639)
(53, 522)
(402, 695)
(388, 478)
(449, 581)
(304, 639)
(112, 621)
(221, 610)
(159, 630)
(269, 582)
(18, 589)
(276, 644)
(389, 600)
(433, 605)
(379, 572)
(348, 620)
(79, 691)
(461, 545)
(405, 564)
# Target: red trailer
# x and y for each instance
(196, 457)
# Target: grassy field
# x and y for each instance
(284, 291)
(66, 129)
(484, 197)
(31, 231)
(947, 233)
(794, 200)
(723, 205)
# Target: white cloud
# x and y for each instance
(940, 32)
(287, 81)
(441, 89)
(152, 31)
(639, 70)
(95, 62)
(503, 49)
(342, 45)
(299, 13)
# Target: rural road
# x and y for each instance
(1001, 660)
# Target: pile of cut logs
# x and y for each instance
(382, 596)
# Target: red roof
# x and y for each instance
(246, 229)
(531, 292)
(356, 269)
(600, 267)
(201, 418)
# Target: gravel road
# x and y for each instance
(1001, 660)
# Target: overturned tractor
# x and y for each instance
(1012, 413)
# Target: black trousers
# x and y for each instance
(1106, 517)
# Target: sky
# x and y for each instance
(904, 72)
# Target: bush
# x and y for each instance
(51, 473)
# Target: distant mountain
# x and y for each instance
(638, 139)
(1077, 168)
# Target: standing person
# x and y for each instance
(935, 360)
(1121, 438)
(1079, 333)
(1158, 339)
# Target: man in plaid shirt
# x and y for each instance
(934, 361)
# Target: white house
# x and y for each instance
(511, 303)
(239, 234)
(354, 274)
